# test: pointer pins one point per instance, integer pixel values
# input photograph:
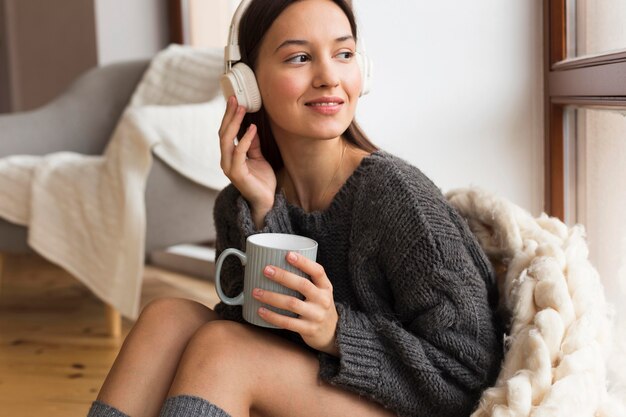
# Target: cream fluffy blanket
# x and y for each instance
(87, 213)
(559, 345)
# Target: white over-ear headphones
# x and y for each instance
(239, 79)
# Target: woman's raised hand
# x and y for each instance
(244, 163)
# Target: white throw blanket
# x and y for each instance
(560, 342)
(87, 213)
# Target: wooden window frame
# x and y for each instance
(588, 81)
(175, 9)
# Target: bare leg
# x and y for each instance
(145, 367)
(247, 371)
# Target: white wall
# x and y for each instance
(130, 29)
(458, 91)
(209, 21)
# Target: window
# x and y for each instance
(575, 78)
(597, 26)
(596, 186)
(586, 132)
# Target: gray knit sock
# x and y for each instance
(188, 406)
(100, 409)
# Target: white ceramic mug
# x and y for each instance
(264, 249)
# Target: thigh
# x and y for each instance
(291, 386)
(145, 366)
(243, 368)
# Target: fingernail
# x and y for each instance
(292, 257)
(257, 292)
(269, 271)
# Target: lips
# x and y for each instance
(325, 106)
(324, 102)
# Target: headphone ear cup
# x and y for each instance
(365, 65)
(241, 82)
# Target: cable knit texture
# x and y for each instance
(414, 291)
(100, 409)
(190, 406)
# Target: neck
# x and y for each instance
(315, 172)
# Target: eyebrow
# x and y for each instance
(304, 42)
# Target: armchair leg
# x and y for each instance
(113, 317)
(113, 321)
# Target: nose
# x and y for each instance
(326, 74)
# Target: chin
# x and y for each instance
(328, 135)
(328, 132)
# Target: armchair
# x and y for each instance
(177, 209)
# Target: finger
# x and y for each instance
(232, 128)
(282, 321)
(227, 139)
(281, 301)
(231, 107)
(241, 150)
(311, 268)
(255, 148)
(291, 280)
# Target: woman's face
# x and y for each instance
(307, 71)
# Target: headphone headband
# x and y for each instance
(232, 53)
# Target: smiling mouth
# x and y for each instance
(324, 104)
(320, 103)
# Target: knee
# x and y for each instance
(219, 345)
(174, 315)
(216, 364)
(219, 336)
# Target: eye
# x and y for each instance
(347, 55)
(298, 59)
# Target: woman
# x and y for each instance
(396, 319)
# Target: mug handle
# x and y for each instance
(237, 301)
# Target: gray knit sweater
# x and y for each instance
(413, 289)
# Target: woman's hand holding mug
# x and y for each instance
(244, 164)
(317, 321)
(295, 292)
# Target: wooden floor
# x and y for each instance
(54, 355)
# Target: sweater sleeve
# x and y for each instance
(233, 224)
(435, 348)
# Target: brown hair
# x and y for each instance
(255, 22)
